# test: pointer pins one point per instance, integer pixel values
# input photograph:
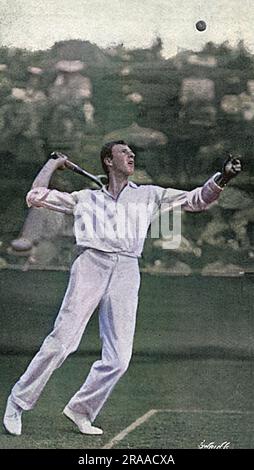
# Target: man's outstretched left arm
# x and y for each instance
(201, 198)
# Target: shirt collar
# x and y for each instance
(130, 185)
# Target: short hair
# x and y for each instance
(106, 152)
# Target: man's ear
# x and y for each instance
(108, 161)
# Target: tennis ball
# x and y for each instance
(201, 25)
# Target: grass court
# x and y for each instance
(190, 381)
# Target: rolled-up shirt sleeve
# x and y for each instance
(201, 198)
(196, 200)
(52, 199)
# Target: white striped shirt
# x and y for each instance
(109, 224)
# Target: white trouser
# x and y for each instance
(97, 278)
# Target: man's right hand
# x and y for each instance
(59, 159)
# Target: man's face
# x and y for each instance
(122, 161)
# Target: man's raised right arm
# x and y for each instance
(45, 174)
(41, 196)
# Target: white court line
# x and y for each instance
(119, 437)
(217, 412)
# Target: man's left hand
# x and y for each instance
(231, 167)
